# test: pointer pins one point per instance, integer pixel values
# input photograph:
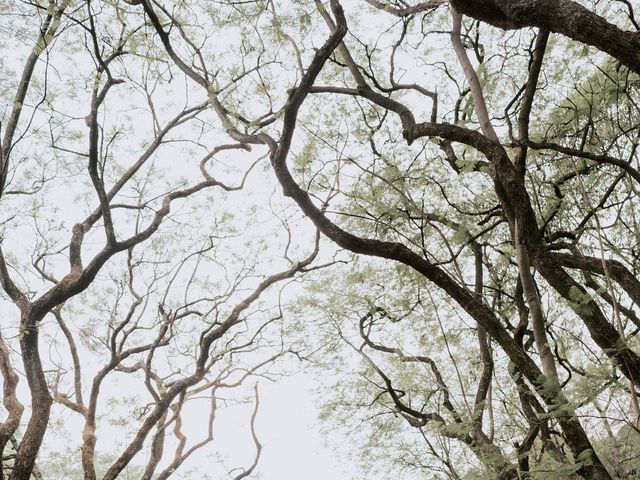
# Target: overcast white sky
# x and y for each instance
(287, 425)
(294, 446)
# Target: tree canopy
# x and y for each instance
(455, 181)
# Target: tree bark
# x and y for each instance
(40, 400)
(566, 17)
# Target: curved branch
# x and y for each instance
(566, 17)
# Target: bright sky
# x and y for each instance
(294, 447)
(287, 426)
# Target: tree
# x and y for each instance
(511, 213)
(115, 261)
(483, 154)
